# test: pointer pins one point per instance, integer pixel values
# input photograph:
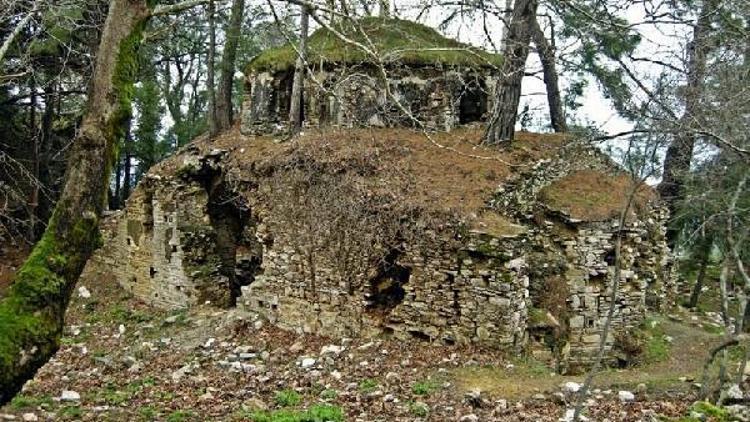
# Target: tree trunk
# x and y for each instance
(213, 127)
(501, 126)
(547, 57)
(385, 8)
(224, 112)
(296, 108)
(695, 295)
(680, 151)
(31, 313)
(128, 160)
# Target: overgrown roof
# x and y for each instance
(394, 40)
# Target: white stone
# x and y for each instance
(307, 362)
(84, 293)
(29, 417)
(70, 395)
(625, 396)
(469, 418)
(571, 387)
(568, 416)
(331, 349)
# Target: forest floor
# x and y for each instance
(122, 360)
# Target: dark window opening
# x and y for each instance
(419, 335)
(609, 258)
(386, 288)
(473, 104)
(129, 241)
(589, 322)
(152, 272)
(229, 215)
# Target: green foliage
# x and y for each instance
(286, 398)
(22, 401)
(328, 394)
(368, 385)
(395, 40)
(418, 409)
(317, 413)
(71, 412)
(424, 388)
(180, 416)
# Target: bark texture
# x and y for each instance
(224, 111)
(547, 56)
(501, 126)
(213, 126)
(31, 314)
(296, 108)
(680, 151)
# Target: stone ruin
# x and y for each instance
(530, 270)
(433, 80)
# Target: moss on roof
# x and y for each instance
(394, 40)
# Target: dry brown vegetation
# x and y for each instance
(592, 195)
(459, 176)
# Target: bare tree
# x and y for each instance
(546, 53)
(502, 122)
(296, 109)
(213, 126)
(224, 111)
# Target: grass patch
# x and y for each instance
(317, 413)
(419, 409)
(424, 388)
(368, 385)
(71, 412)
(24, 402)
(287, 398)
(592, 195)
(328, 394)
(180, 416)
(147, 413)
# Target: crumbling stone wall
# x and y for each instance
(582, 254)
(489, 284)
(439, 97)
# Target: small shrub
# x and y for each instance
(328, 394)
(286, 398)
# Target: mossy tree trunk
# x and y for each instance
(31, 314)
(501, 126)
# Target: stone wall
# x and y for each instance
(440, 98)
(473, 291)
(581, 254)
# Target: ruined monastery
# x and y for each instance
(377, 231)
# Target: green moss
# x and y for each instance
(394, 40)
